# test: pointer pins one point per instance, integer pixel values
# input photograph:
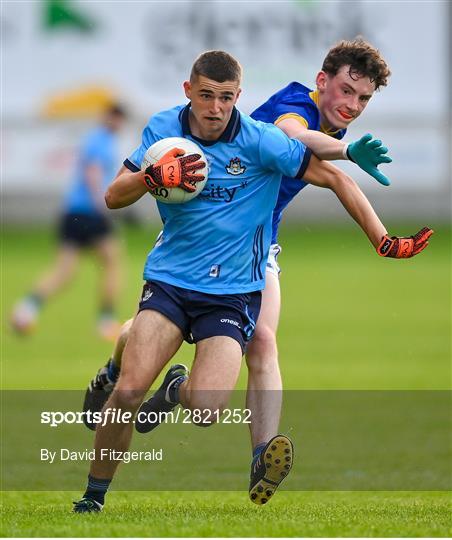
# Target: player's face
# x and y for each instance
(342, 97)
(115, 122)
(212, 103)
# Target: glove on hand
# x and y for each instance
(175, 170)
(405, 246)
(368, 153)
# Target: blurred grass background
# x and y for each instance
(350, 319)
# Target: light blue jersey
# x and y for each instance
(99, 148)
(218, 242)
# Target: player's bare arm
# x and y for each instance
(127, 188)
(326, 175)
(322, 145)
(367, 153)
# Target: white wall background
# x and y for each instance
(144, 50)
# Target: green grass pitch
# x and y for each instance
(350, 320)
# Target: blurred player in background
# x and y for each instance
(84, 223)
(178, 283)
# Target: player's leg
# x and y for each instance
(264, 391)
(206, 390)
(155, 336)
(120, 344)
(221, 336)
(101, 386)
(108, 250)
(60, 274)
(146, 353)
(214, 374)
(25, 313)
(220, 325)
(272, 453)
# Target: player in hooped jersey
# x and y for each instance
(205, 275)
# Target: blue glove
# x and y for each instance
(368, 153)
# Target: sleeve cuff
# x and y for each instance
(304, 163)
(131, 166)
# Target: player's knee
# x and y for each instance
(127, 399)
(109, 252)
(262, 352)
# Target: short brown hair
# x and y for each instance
(364, 61)
(216, 65)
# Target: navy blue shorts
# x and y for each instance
(83, 230)
(201, 315)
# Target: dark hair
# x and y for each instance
(364, 61)
(116, 109)
(216, 65)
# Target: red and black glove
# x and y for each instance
(403, 247)
(175, 170)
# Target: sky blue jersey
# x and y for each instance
(218, 243)
(299, 102)
(98, 148)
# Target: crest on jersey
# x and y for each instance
(235, 167)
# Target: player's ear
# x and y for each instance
(187, 89)
(239, 91)
(320, 80)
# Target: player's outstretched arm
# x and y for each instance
(324, 174)
(368, 153)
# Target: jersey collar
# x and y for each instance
(228, 135)
(314, 95)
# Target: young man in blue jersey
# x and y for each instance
(206, 288)
(84, 224)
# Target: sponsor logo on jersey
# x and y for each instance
(215, 192)
(235, 167)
